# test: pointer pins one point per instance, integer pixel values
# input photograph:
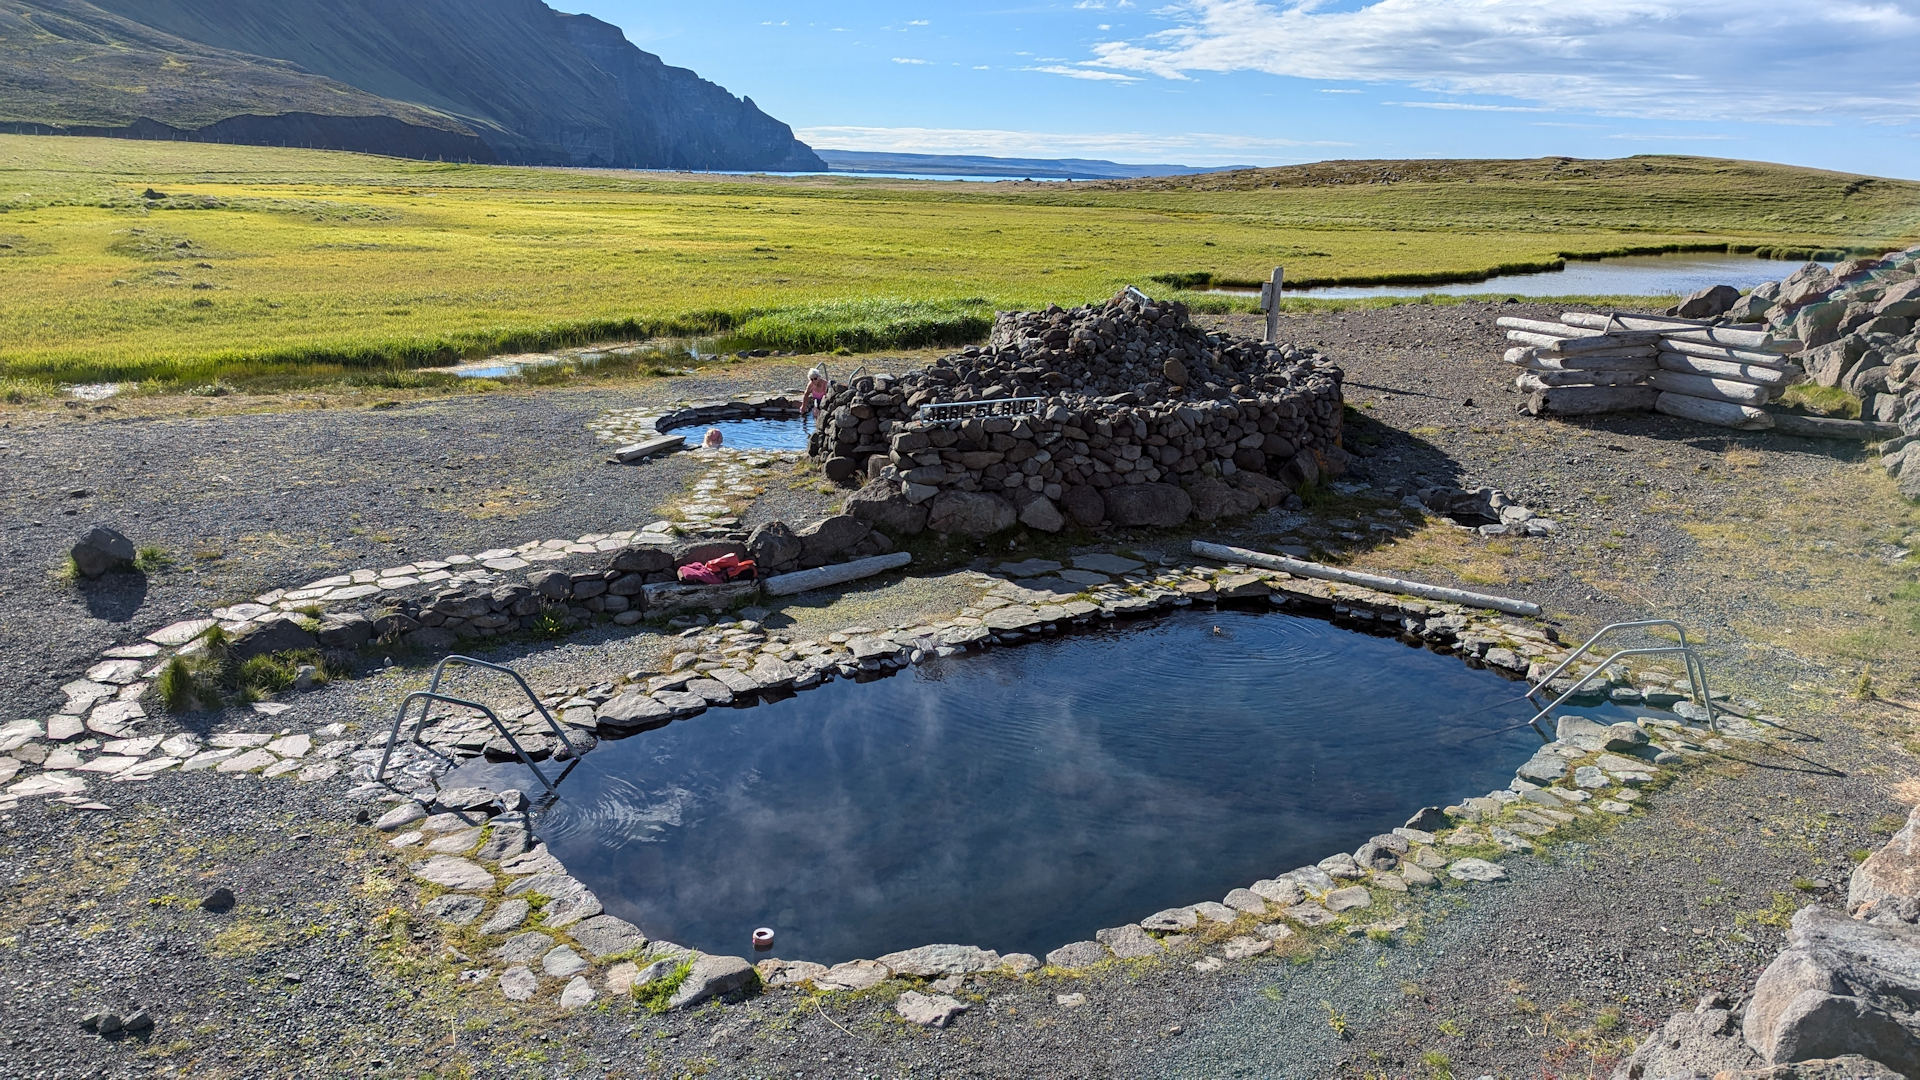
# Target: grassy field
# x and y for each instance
(252, 261)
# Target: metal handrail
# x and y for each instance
(1013, 406)
(432, 693)
(1696, 668)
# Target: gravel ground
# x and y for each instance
(1546, 973)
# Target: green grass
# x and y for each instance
(264, 262)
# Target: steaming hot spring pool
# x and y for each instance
(755, 433)
(1022, 798)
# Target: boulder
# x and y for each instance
(775, 548)
(277, 635)
(1269, 491)
(1084, 505)
(934, 961)
(1819, 323)
(1213, 499)
(643, 559)
(829, 538)
(969, 513)
(1155, 505)
(710, 977)
(1841, 987)
(1828, 364)
(1040, 513)
(928, 1010)
(1708, 303)
(102, 551)
(881, 505)
(1893, 872)
(1078, 954)
(348, 631)
(1703, 1042)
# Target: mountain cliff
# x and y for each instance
(489, 80)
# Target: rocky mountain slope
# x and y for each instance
(489, 80)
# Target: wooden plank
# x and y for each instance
(1590, 400)
(1719, 413)
(1603, 362)
(1722, 352)
(647, 448)
(1541, 326)
(1302, 568)
(1830, 427)
(837, 574)
(1719, 369)
(1684, 330)
(1738, 393)
(1270, 303)
(1571, 346)
(1540, 380)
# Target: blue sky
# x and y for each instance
(1827, 83)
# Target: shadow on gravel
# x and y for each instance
(116, 597)
(1712, 441)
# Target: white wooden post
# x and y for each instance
(1270, 303)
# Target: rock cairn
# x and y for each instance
(1142, 420)
(1588, 363)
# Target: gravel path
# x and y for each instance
(310, 975)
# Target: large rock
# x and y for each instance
(969, 513)
(933, 961)
(1213, 499)
(710, 977)
(1841, 987)
(775, 548)
(1156, 505)
(102, 551)
(634, 711)
(1708, 303)
(278, 635)
(1084, 505)
(1828, 364)
(829, 538)
(1040, 513)
(1893, 872)
(928, 1010)
(605, 935)
(881, 505)
(1704, 1042)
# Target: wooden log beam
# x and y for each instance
(1541, 326)
(1831, 427)
(1721, 352)
(1684, 330)
(1302, 568)
(1738, 393)
(1590, 400)
(1720, 369)
(1540, 380)
(1719, 413)
(646, 448)
(837, 574)
(1644, 364)
(1573, 346)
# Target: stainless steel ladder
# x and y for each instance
(432, 694)
(1696, 668)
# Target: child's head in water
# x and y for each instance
(713, 439)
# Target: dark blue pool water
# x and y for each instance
(761, 433)
(1026, 797)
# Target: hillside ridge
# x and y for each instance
(510, 81)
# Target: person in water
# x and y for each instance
(816, 398)
(713, 439)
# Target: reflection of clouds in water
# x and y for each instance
(1020, 799)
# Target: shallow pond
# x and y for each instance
(759, 433)
(1633, 275)
(1022, 798)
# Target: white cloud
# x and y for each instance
(910, 60)
(1795, 61)
(1189, 148)
(1464, 106)
(1089, 74)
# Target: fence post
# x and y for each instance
(1270, 303)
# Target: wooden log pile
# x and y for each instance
(1593, 363)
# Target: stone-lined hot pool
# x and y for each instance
(754, 433)
(1025, 797)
